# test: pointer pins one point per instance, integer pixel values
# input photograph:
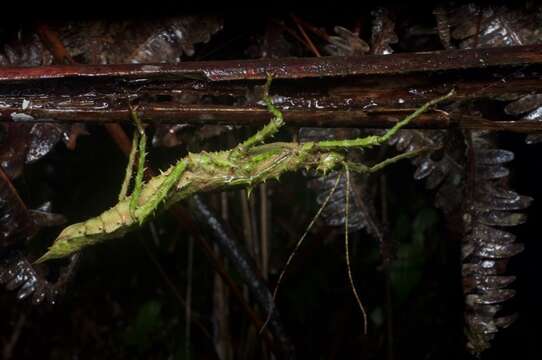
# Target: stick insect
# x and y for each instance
(247, 164)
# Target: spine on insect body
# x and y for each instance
(243, 166)
(110, 224)
(204, 172)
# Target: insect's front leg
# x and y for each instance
(276, 122)
(138, 211)
(378, 140)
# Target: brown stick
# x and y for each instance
(51, 40)
(308, 40)
(317, 31)
(291, 68)
(370, 91)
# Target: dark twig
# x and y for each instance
(328, 91)
(289, 68)
(293, 33)
(172, 287)
(306, 37)
(52, 42)
(16, 211)
(246, 268)
(317, 31)
(7, 352)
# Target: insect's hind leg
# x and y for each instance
(138, 182)
(362, 168)
(142, 212)
(394, 129)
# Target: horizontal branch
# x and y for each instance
(293, 68)
(370, 91)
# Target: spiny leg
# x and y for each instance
(347, 250)
(268, 130)
(129, 167)
(138, 183)
(297, 246)
(361, 168)
(391, 132)
(145, 210)
(377, 140)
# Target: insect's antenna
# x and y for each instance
(297, 246)
(347, 252)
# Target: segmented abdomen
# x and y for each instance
(112, 223)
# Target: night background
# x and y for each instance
(155, 293)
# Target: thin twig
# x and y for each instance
(9, 347)
(247, 223)
(169, 283)
(221, 311)
(317, 31)
(306, 37)
(244, 265)
(265, 218)
(387, 269)
(255, 242)
(52, 42)
(188, 307)
(290, 31)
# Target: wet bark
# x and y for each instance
(369, 91)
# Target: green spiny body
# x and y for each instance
(243, 166)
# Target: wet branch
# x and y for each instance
(369, 91)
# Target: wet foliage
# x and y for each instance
(443, 251)
(490, 208)
(19, 274)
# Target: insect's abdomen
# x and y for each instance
(205, 172)
(112, 223)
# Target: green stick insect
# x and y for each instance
(245, 165)
(249, 163)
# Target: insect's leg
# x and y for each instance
(377, 140)
(129, 167)
(294, 251)
(347, 250)
(138, 182)
(361, 168)
(391, 132)
(268, 130)
(145, 210)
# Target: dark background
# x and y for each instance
(118, 305)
